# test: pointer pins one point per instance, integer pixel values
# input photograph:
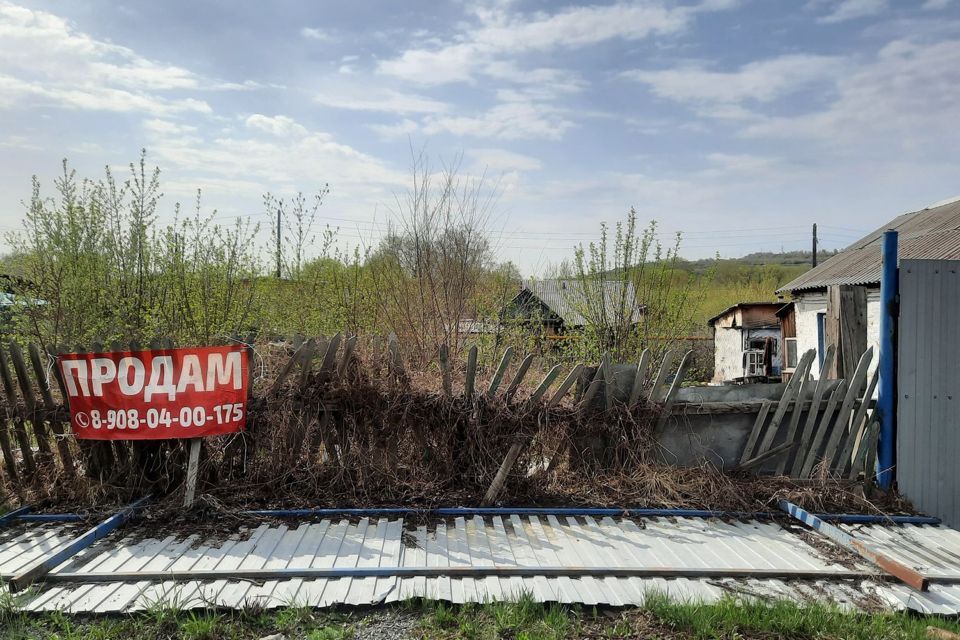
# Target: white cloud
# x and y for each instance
(851, 9)
(313, 33)
(502, 160)
(936, 5)
(762, 81)
(272, 153)
(403, 128)
(45, 60)
(906, 97)
(500, 33)
(513, 120)
(376, 99)
(279, 126)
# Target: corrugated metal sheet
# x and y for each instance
(514, 541)
(568, 300)
(934, 551)
(21, 544)
(928, 440)
(932, 234)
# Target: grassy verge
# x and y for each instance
(522, 620)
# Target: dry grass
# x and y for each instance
(380, 436)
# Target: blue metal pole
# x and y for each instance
(886, 398)
(42, 566)
(843, 518)
(10, 516)
(50, 517)
(894, 567)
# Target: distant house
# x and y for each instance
(559, 306)
(746, 342)
(931, 233)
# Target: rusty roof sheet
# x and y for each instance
(928, 234)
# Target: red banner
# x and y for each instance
(156, 394)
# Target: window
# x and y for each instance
(790, 353)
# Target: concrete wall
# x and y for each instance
(719, 438)
(690, 438)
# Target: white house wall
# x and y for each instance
(807, 307)
(728, 354)
(728, 346)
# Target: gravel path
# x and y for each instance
(386, 625)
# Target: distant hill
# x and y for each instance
(751, 278)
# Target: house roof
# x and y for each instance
(932, 234)
(743, 305)
(566, 298)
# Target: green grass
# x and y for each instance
(521, 620)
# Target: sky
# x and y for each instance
(737, 122)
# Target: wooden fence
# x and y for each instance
(794, 434)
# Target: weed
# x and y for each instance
(331, 632)
(200, 626)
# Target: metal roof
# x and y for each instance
(740, 305)
(568, 299)
(932, 234)
(21, 544)
(490, 546)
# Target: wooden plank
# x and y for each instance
(671, 396)
(657, 393)
(500, 479)
(348, 350)
(30, 401)
(608, 387)
(794, 422)
(192, 473)
(445, 370)
(841, 423)
(568, 382)
(821, 429)
(50, 406)
(813, 412)
(763, 457)
(870, 461)
(518, 378)
(501, 370)
(545, 384)
(868, 442)
(639, 378)
(789, 396)
(593, 387)
(328, 363)
(758, 425)
(895, 568)
(19, 429)
(9, 461)
(853, 326)
(857, 426)
(397, 370)
(285, 371)
(831, 331)
(471, 375)
(298, 434)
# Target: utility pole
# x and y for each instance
(278, 243)
(814, 259)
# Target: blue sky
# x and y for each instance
(738, 122)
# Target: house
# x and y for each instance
(746, 341)
(931, 233)
(559, 306)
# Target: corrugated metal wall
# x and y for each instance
(928, 379)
